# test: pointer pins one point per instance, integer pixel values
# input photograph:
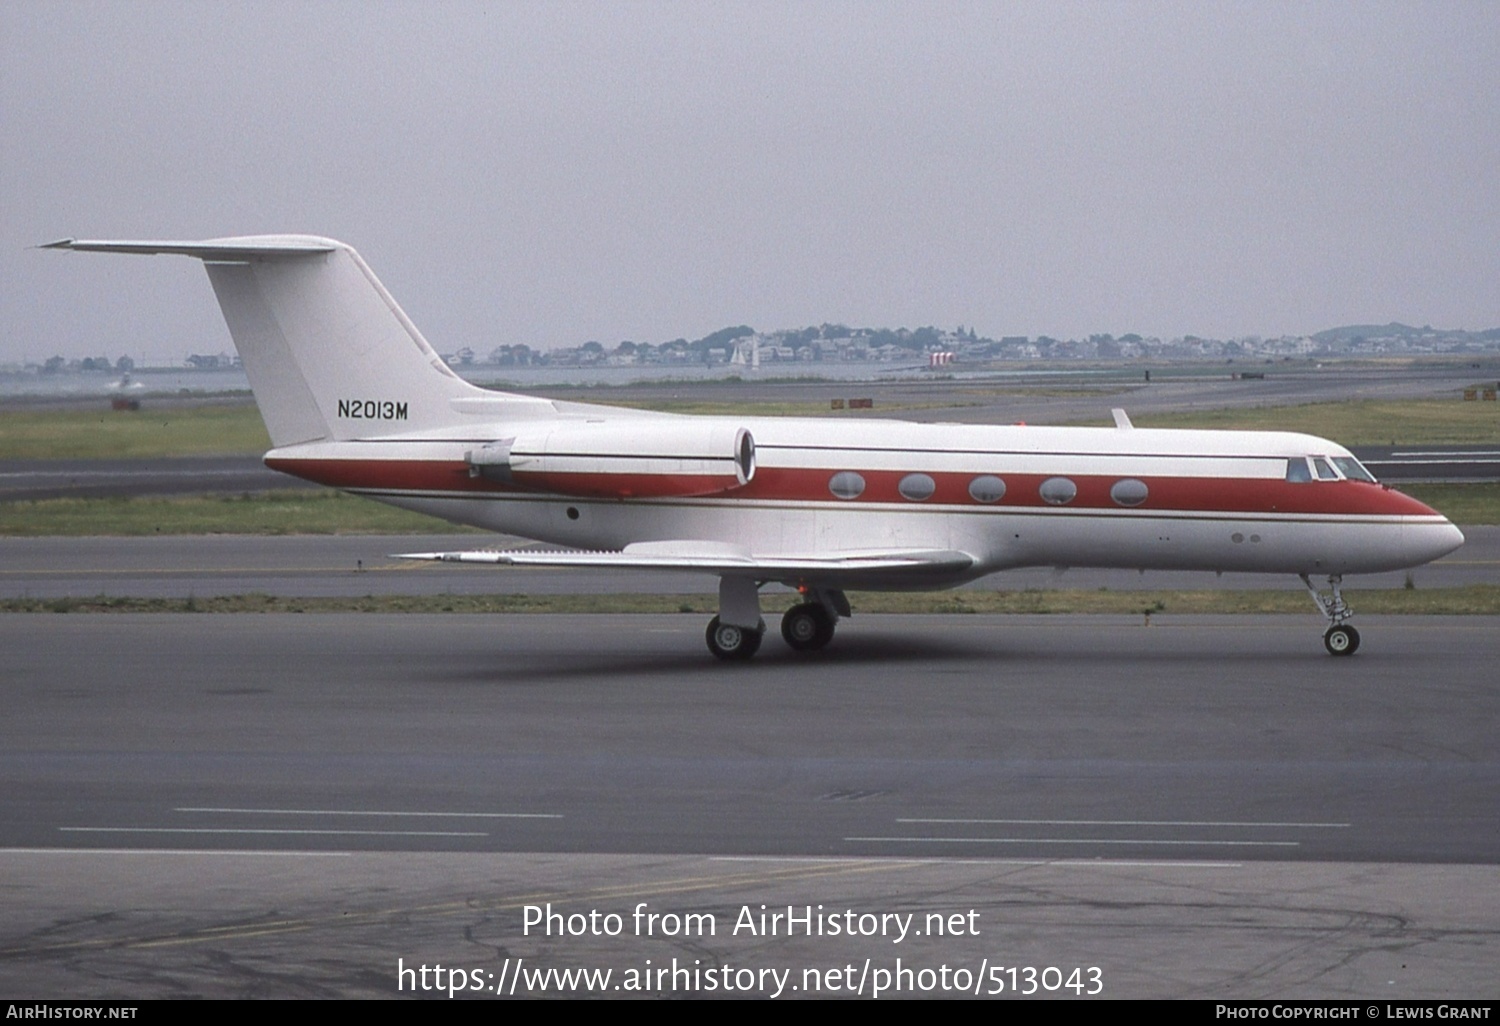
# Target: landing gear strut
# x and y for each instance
(1341, 639)
(734, 635)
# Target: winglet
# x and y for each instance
(1122, 420)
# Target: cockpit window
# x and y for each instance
(1325, 472)
(1296, 470)
(1353, 469)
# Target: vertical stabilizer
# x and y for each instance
(329, 354)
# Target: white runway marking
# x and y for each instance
(251, 830)
(1076, 840)
(375, 812)
(1132, 822)
(155, 852)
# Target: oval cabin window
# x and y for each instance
(846, 484)
(916, 487)
(1058, 491)
(988, 488)
(1129, 492)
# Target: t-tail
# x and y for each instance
(329, 354)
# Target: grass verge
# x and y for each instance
(212, 429)
(1357, 422)
(1477, 503)
(294, 511)
(1477, 599)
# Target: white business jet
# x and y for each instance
(355, 398)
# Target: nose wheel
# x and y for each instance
(1341, 639)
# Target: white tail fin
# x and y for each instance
(329, 354)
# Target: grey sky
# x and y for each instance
(550, 173)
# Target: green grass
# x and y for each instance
(1477, 503)
(1359, 422)
(1478, 599)
(168, 429)
(296, 511)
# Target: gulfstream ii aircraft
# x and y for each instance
(355, 398)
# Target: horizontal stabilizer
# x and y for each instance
(212, 249)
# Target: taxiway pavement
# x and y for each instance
(288, 805)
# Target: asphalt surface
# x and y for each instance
(286, 805)
(1032, 736)
(184, 475)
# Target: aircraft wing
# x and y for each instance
(885, 567)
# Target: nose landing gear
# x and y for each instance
(1341, 639)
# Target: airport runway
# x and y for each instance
(182, 475)
(308, 566)
(286, 805)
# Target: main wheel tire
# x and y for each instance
(733, 644)
(1342, 640)
(807, 627)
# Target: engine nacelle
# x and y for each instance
(623, 459)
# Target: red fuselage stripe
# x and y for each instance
(773, 484)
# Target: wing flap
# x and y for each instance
(872, 568)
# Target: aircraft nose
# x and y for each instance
(1429, 541)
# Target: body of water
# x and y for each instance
(177, 382)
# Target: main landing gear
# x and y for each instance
(807, 627)
(736, 633)
(734, 644)
(1341, 639)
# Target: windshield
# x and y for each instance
(1353, 469)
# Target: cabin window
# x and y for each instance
(846, 484)
(916, 487)
(1353, 469)
(1058, 491)
(1325, 472)
(987, 488)
(1296, 470)
(1129, 492)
